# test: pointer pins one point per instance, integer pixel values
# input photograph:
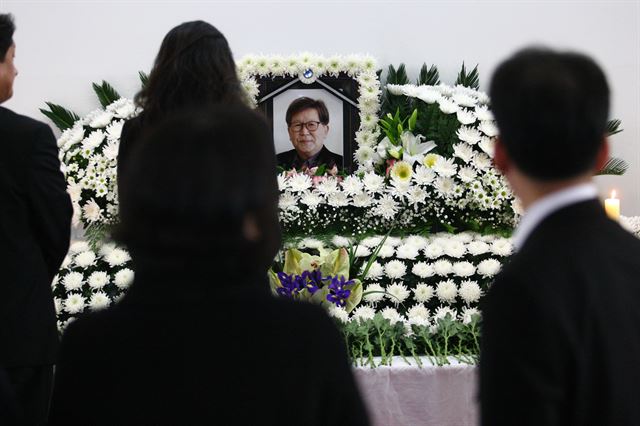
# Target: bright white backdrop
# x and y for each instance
(63, 46)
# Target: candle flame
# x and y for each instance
(613, 194)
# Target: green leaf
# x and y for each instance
(471, 79)
(429, 76)
(106, 93)
(144, 78)
(398, 76)
(61, 117)
(413, 119)
(613, 127)
(614, 166)
(96, 233)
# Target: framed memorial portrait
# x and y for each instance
(347, 87)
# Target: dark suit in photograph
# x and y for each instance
(204, 348)
(561, 326)
(35, 221)
(291, 160)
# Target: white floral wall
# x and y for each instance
(63, 46)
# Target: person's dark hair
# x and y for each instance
(552, 110)
(192, 187)
(7, 28)
(303, 103)
(194, 67)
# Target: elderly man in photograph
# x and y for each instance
(35, 220)
(561, 323)
(308, 125)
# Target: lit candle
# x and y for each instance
(612, 206)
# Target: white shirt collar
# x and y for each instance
(542, 208)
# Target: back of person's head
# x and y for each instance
(7, 28)
(303, 103)
(198, 176)
(194, 67)
(552, 110)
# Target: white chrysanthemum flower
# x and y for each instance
(517, 207)
(393, 241)
(79, 246)
(122, 108)
(58, 304)
(477, 248)
(463, 151)
(416, 241)
(74, 304)
(467, 174)
(311, 199)
(311, 243)
(339, 241)
(373, 182)
(487, 145)
(75, 136)
(445, 185)
(467, 314)
(442, 312)
(110, 151)
(299, 183)
(489, 267)
(447, 106)
(99, 301)
(339, 313)
(394, 89)
(469, 135)
(470, 291)
(123, 278)
(67, 261)
(445, 167)
(397, 293)
(365, 138)
(464, 99)
(454, 248)
(423, 292)
(117, 257)
(362, 200)
(352, 185)
(502, 247)
(464, 269)
(387, 207)
(423, 270)
(423, 175)
(362, 251)
(327, 186)
(482, 113)
(443, 267)
(466, 117)
(283, 182)
(75, 191)
(488, 128)
(101, 120)
(93, 141)
(338, 199)
(73, 281)
(447, 291)
(371, 242)
(363, 312)
(418, 312)
(399, 188)
(407, 251)
(392, 315)
(401, 171)
(376, 293)
(428, 94)
(85, 259)
(92, 211)
(482, 161)
(114, 130)
(433, 250)
(395, 269)
(287, 201)
(376, 270)
(98, 279)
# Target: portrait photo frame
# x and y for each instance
(348, 85)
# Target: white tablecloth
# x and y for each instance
(409, 395)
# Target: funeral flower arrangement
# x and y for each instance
(90, 280)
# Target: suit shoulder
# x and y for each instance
(17, 122)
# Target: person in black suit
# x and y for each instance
(308, 125)
(561, 324)
(194, 67)
(199, 338)
(35, 222)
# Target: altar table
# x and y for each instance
(403, 394)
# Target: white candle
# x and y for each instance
(612, 206)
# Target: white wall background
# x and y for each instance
(63, 46)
